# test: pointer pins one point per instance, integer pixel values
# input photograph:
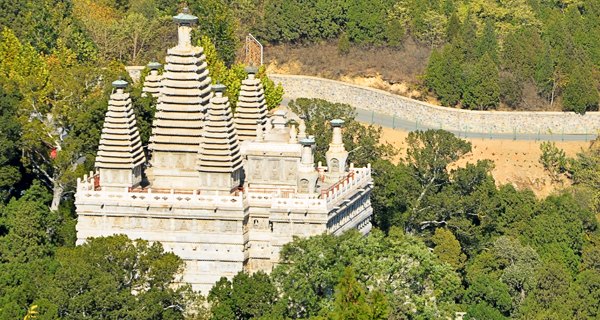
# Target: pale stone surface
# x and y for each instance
(135, 72)
(219, 158)
(182, 105)
(152, 82)
(434, 116)
(120, 156)
(251, 109)
(336, 155)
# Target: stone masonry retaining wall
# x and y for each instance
(429, 115)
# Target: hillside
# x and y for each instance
(515, 162)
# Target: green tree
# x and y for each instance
(584, 170)
(557, 230)
(29, 234)
(273, 92)
(219, 25)
(443, 75)
(429, 154)
(115, 277)
(466, 41)
(488, 42)
(30, 230)
(481, 87)
(431, 28)
(580, 93)
(343, 44)
(511, 90)
(585, 293)
(520, 53)
(245, 297)
(363, 142)
(10, 131)
(447, 248)
(391, 193)
(553, 159)
(39, 23)
(395, 33)
(398, 265)
(483, 311)
(350, 299)
(364, 21)
(453, 27)
(485, 289)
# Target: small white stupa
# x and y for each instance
(120, 154)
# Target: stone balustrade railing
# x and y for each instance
(360, 177)
(86, 188)
(431, 116)
(299, 204)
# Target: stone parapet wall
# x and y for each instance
(428, 115)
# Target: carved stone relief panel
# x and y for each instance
(291, 168)
(335, 165)
(256, 169)
(303, 186)
(275, 173)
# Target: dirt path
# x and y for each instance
(516, 162)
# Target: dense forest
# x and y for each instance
(484, 52)
(445, 241)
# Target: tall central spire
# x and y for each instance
(185, 21)
(182, 104)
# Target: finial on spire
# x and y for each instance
(120, 84)
(185, 21)
(302, 128)
(251, 69)
(185, 18)
(337, 122)
(154, 65)
(219, 87)
(307, 141)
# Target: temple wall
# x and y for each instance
(428, 115)
(354, 214)
(271, 170)
(171, 170)
(219, 236)
(209, 240)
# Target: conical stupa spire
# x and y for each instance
(120, 145)
(182, 104)
(219, 151)
(152, 81)
(120, 154)
(251, 107)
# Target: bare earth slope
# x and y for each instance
(516, 162)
